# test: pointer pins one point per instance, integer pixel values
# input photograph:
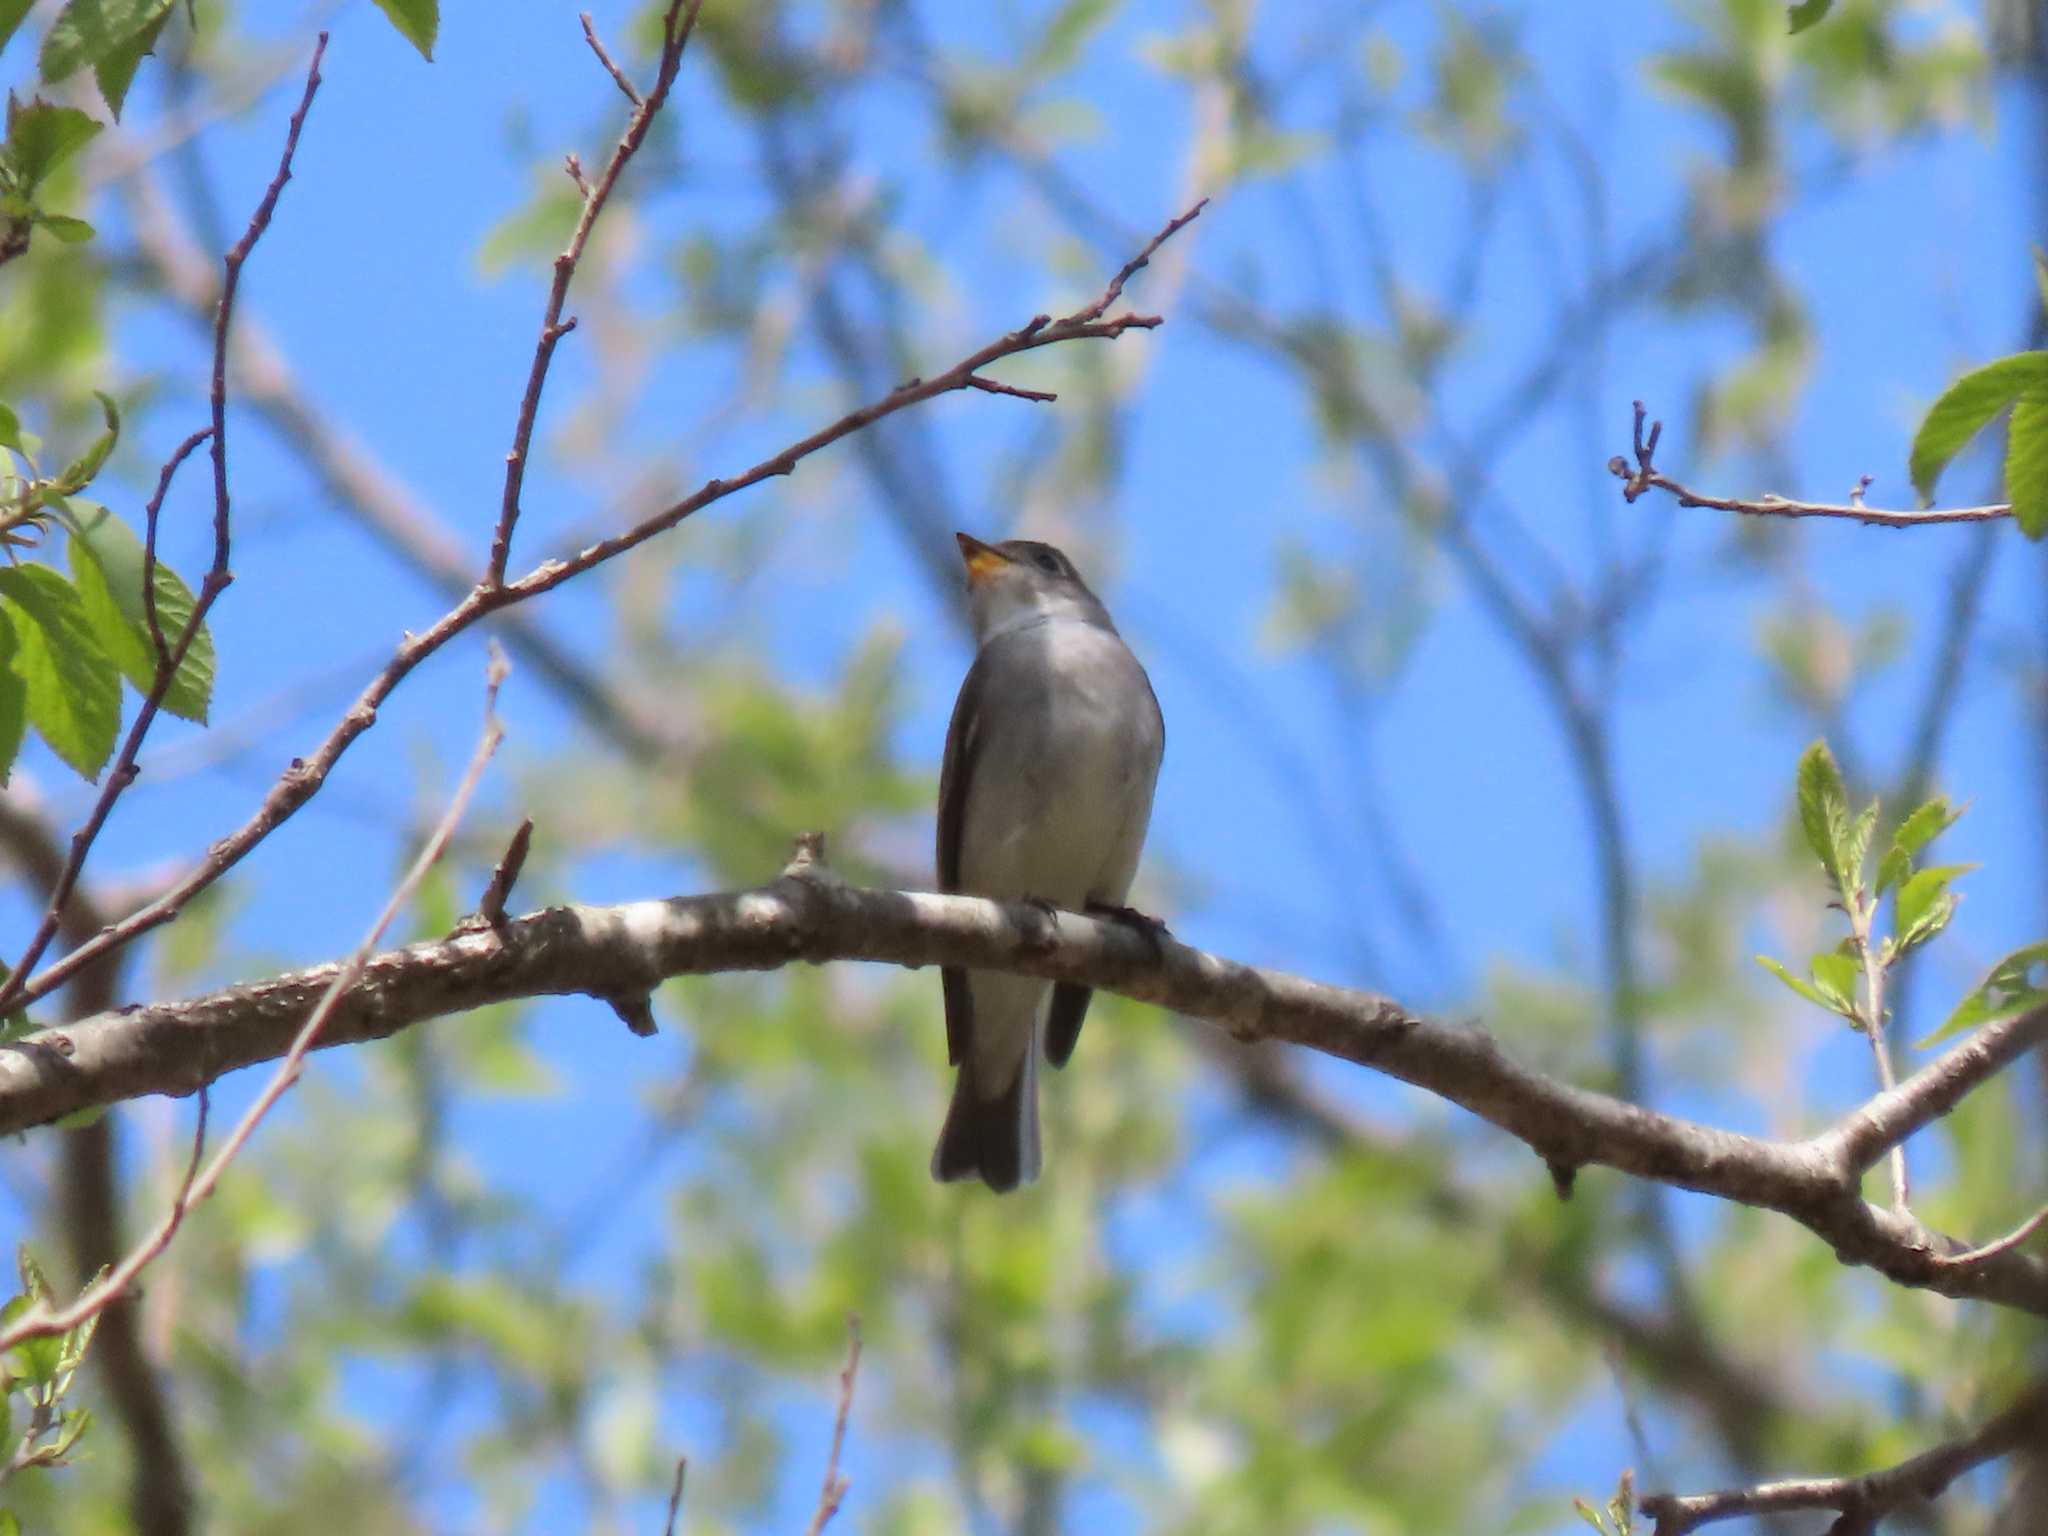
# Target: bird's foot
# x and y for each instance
(1048, 937)
(1153, 928)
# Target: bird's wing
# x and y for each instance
(964, 739)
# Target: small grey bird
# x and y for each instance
(1044, 796)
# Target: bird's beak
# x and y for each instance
(983, 560)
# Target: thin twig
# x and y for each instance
(994, 387)
(14, 991)
(41, 1320)
(618, 75)
(165, 662)
(832, 1492)
(1645, 476)
(677, 23)
(675, 1494)
(491, 909)
(1970, 1258)
(1861, 1501)
(1862, 914)
(303, 779)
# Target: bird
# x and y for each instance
(1045, 795)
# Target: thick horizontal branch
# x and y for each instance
(621, 953)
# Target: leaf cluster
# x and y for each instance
(35, 1379)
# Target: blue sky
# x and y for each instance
(370, 281)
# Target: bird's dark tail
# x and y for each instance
(992, 1139)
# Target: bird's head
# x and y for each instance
(1021, 581)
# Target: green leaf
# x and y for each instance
(10, 429)
(87, 31)
(418, 22)
(79, 472)
(1964, 409)
(1824, 809)
(1927, 822)
(2017, 984)
(106, 560)
(37, 1360)
(1891, 869)
(13, 702)
(2026, 463)
(1924, 904)
(1834, 973)
(74, 691)
(1857, 845)
(1808, 13)
(71, 231)
(71, 1428)
(11, 14)
(1799, 984)
(9, 1525)
(115, 69)
(42, 136)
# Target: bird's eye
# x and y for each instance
(1047, 563)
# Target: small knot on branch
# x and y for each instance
(635, 1011)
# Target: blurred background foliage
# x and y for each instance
(498, 1273)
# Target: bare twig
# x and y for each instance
(491, 909)
(166, 663)
(41, 1320)
(618, 78)
(677, 24)
(812, 917)
(832, 1492)
(303, 779)
(995, 387)
(1862, 1501)
(675, 1494)
(1971, 1257)
(1862, 913)
(15, 991)
(1646, 476)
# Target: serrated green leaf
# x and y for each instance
(1823, 808)
(87, 31)
(79, 472)
(115, 69)
(2017, 984)
(418, 22)
(42, 136)
(1891, 869)
(73, 688)
(1927, 822)
(1799, 984)
(33, 1281)
(65, 228)
(1857, 845)
(107, 559)
(13, 705)
(2026, 463)
(1966, 407)
(1808, 13)
(1920, 901)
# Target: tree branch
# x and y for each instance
(303, 779)
(1863, 1501)
(15, 990)
(810, 915)
(1646, 476)
(676, 26)
(41, 1320)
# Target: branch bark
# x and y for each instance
(810, 915)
